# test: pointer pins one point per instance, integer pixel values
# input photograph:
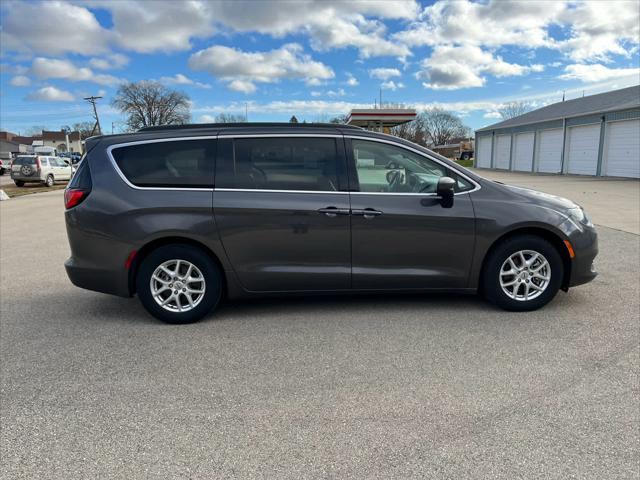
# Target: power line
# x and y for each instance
(92, 101)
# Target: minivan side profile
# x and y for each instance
(182, 216)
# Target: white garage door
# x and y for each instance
(503, 151)
(483, 153)
(582, 149)
(550, 150)
(523, 152)
(622, 149)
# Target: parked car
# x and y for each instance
(39, 169)
(4, 167)
(192, 214)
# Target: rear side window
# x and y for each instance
(186, 163)
(82, 178)
(280, 163)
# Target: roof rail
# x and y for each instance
(194, 126)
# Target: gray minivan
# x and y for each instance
(183, 216)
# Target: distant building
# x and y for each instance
(53, 139)
(593, 135)
(380, 119)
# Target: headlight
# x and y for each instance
(579, 215)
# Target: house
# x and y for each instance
(57, 140)
(593, 135)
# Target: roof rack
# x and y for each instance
(193, 126)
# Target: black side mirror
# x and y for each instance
(445, 190)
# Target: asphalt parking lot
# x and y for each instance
(370, 387)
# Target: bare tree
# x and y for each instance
(413, 131)
(441, 127)
(514, 109)
(339, 119)
(149, 103)
(230, 118)
(85, 129)
(34, 131)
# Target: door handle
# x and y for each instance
(333, 211)
(367, 212)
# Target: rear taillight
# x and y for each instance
(74, 196)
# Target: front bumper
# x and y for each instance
(585, 246)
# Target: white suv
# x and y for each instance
(40, 169)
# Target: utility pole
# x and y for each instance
(246, 112)
(92, 101)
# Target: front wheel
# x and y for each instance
(523, 273)
(179, 284)
(49, 182)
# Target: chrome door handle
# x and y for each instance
(333, 211)
(367, 212)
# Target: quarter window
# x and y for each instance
(186, 163)
(308, 164)
(388, 169)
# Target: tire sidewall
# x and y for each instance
(210, 271)
(49, 182)
(491, 278)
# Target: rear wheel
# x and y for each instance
(179, 284)
(19, 183)
(522, 273)
(49, 182)
(465, 156)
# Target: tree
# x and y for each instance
(514, 109)
(34, 131)
(339, 119)
(149, 103)
(230, 118)
(293, 119)
(441, 127)
(85, 129)
(433, 127)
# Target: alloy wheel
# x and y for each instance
(525, 275)
(177, 285)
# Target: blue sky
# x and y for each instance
(309, 58)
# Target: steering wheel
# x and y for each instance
(258, 175)
(393, 177)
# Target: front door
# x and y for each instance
(281, 207)
(402, 235)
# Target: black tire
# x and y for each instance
(210, 271)
(50, 181)
(491, 288)
(19, 183)
(2, 171)
(465, 156)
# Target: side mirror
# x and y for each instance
(445, 190)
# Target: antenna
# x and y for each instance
(563, 95)
(92, 101)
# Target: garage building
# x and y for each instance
(593, 135)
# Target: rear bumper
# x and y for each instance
(104, 281)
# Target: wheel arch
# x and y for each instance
(149, 247)
(552, 237)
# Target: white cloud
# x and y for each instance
(600, 29)
(352, 81)
(112, 61)
(451, 68)
(207, 118)
(316, 93)
(20, 81)
(50, 94)
(52, 27)
(180, 79)
(598, 73)
(336, 93)
(243, 69)
(45, 68)
(391, 85)
(244, 86)
(492, 114)
(384, 73)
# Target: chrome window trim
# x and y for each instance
(422, 154)
(266, 190)
(110, 149)
(280, 135)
